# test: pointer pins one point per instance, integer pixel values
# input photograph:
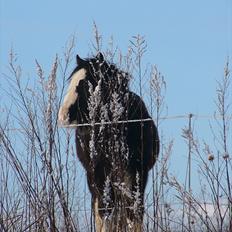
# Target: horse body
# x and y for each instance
(116, 156)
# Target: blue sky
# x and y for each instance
(189, 41)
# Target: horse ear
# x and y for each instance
(100, 57)
(79, 60)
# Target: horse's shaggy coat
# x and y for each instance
(116, 156)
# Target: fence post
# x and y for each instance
(190, 138)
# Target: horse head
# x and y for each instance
(87, 75)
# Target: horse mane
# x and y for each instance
(105, 68)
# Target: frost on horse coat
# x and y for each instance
(117, 155)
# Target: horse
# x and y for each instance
(116, 140)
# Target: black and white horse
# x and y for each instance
(116, 141)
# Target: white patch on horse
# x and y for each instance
(71, 96)
(130, 224)
(100, 225)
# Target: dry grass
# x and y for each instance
(43, 186)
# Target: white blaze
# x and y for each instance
(71, 96)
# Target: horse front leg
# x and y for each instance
(134, 223)
(99, 221)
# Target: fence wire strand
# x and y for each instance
(186, 116)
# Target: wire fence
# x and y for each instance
(173, 117)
